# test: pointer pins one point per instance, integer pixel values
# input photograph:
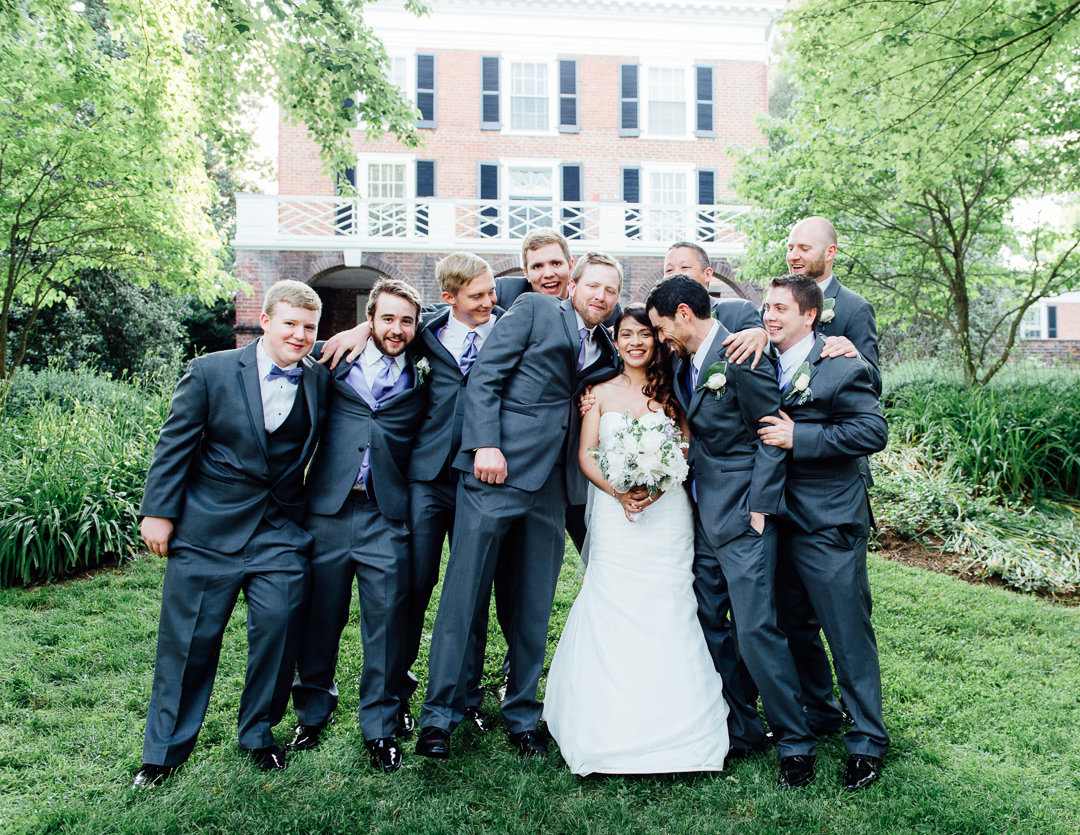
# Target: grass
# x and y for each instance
(982, 698)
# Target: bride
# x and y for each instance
(632, 688)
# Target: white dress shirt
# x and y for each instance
(278, 395)
(592, 348)
(453, 334)
(826, 284)
(703, 350)
(793, 357)
(371, 363)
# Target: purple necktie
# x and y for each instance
(384, 381)
(584, 334)
(468, 357)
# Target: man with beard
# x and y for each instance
(519, 453)
(358, 514)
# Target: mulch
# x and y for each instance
(925, 552)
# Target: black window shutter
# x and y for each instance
(489, 190)
(631, 189)
(568, 98)
(1051, 322)
(572, 216)
(425, 178)
(489, 93)
(706, 225)
(425, 90)
(343, 214)
(628, 100)
(705, 107)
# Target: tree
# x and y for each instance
(106, 113)
(926, 186)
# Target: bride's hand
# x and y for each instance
(635, 500)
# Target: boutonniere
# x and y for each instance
(800, 387)
(423, 368)
(715, 379)
(827, 314)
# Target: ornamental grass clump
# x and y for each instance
(71, 478)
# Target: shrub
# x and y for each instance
(72, 474)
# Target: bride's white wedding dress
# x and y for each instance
(632, 688)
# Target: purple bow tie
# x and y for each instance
(292, 374)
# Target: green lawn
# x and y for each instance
(982, 698)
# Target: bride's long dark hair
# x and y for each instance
(659, 380)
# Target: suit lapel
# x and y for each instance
(430, 337)
(711, 356)
(680, 366)
(249, 380)
(311, 397)
(569, 320)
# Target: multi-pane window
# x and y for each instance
(1031, 326)
(398, 74)
(667, 101)
(667, 188)
(532, 183)
(529, 96)
(385, 188)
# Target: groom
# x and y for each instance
(737, 484)
(519, 454)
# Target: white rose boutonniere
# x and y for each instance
(828, 314)
(800, 387)
(715, 379)
(423, 368)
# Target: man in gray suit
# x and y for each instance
(450, 339)
(737, 483)
(518, 450)
(831, 419)
(689, 258)
(224, 498)
(358, 514)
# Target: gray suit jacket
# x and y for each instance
(736, 314)
(523, 390)
(734, 472)
(853, 317)
(833, 431)
(439, 437)
(350, 426)
(209, 472)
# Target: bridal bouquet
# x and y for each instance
(649, 455)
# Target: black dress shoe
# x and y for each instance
(741, 752)
(305, 737)
(481, 722)
(150, 775)
(385, 753)
(433, 742)
(529, 744)
(796, 771)
(861, 771)
(405, 722)
(271, 758)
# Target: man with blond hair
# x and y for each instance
(224, 500)
(519, 459)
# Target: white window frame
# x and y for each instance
(660, 220)
(689, 100)
(552, 165)
(1035, 311)
(505, 93)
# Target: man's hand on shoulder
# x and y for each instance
(156, 532)
(351, 341)
(744, 343)
(489, 465)
(839, 346)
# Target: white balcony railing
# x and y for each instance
(267, 221)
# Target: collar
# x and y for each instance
(826, 284)
(703, 348)
(457, 331)
(796, 355)
(373, 356)
(265, 363)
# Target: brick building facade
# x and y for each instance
(611, 119)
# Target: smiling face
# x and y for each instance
(635, 343)
(784, 322)
(676, 331)
(289, 333)
(809, 251)
(548, 270)
(472, 304)
(393, 324)
(684, 260)
(595, 294)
